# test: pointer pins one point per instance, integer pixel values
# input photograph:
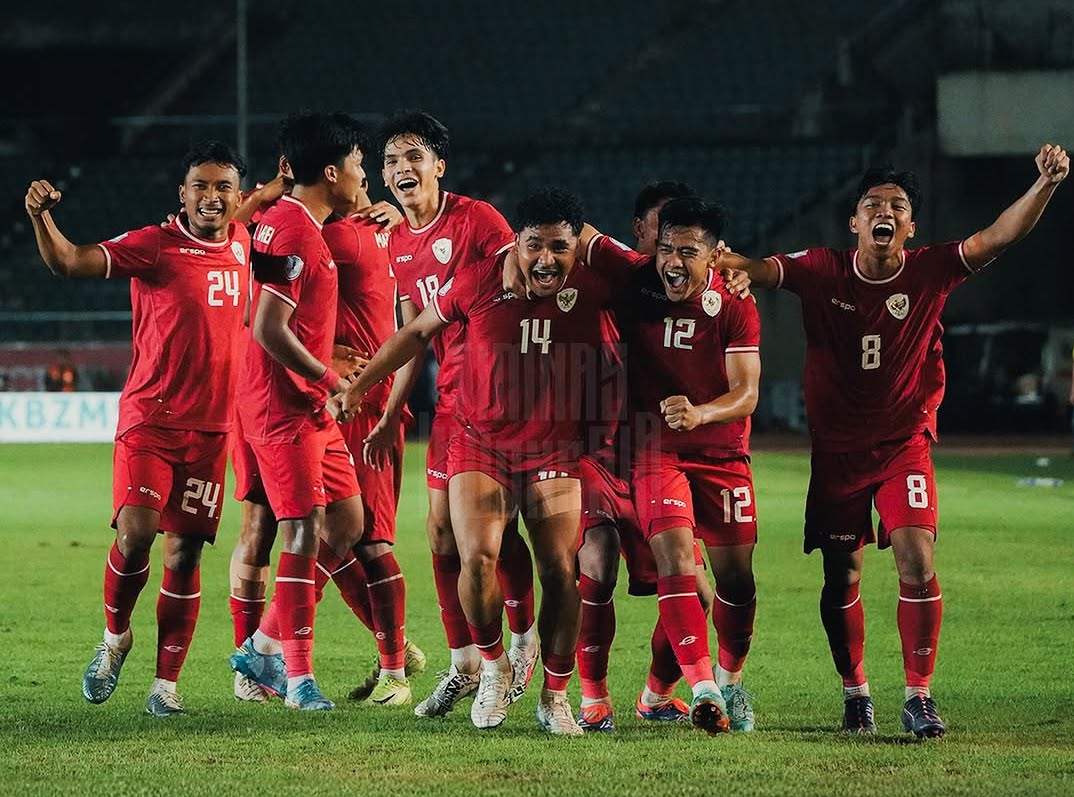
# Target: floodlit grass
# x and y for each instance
(1004, 685)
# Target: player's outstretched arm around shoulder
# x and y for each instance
(759, 272)
(1015, 222)
(60, 255)
(740, 400)
(272, 332)
(382, 438)
(397, 351)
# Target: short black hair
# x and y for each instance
(211, 151)
(426, 128)
(550, 206)
(883, 175)
(311, 141)
(693, 211)
(654, 193)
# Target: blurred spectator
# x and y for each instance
(61, 376)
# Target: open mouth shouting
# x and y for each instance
(883, 233)
(210, 212)
(675, 279)
(545, 278)
(406, 184)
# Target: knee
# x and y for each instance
(183, 559)
(135, 542)
(480, 565)
(598, 558)
(916, 573)
(441, 537)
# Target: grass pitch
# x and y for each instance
(1004, 686)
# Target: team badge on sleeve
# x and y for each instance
(292, 267)
(239, 252)
(442, 250)
(566, 299)
(898, 305)
(711, 302)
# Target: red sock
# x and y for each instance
(387, 599)
(734, 630)
(270, 621)
(177, 614)
(919, 617)
(351, 580)
(295, 599)
(595, 637)
(489, 639)
(685, 624)
(514, 571)
(843, 617)
(245, 616)
(664, 670)
(558, 668)
(123, 582)
(446, 571)
(327, 561)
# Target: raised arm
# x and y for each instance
(60, 255)
(743, 378)
(1017, 220)
(398, 350)
(760, 272)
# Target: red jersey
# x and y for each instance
(464, 231)
(365, 316)
(679, 349)
(873, 369)
(528, 366)
(292, 262)
(187, 302)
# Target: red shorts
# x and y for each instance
(315, 469)
(714, 497)
(444, 427)
(380, 488)
(178, 473)
(606, 501)
(513, 470)
(896, 476)
(248, 485)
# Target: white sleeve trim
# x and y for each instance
(741, 349)
(589, 249)
(962, 257)
(107, 261)
(436, 308)
(779, 269)
(505, 248)
(274, 292)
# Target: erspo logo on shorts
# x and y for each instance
(842, 537)
(436, 474)
(674, 502)
(149, 491)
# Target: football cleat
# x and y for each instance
(163, 704)
(555, 716)
(414, 660)
(102, 675)
(390, 691)
(858, 716)
(598, 717)
(919, 716)
(248, 690)
(523, 662)
(708, 711)
(366, 687)
(739, 707)
(670, 710)
(267, 670)
(491, 698)
(453, 687)
(307, 696)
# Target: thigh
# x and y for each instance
(724, 507)
(906, 496)
(661, 494)
(197, 494)
(248, 485)
(479, 507)
(338, 467)
(444, 428)
(838, 512)
(553, 513)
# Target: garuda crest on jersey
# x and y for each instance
(566, 298)
(442, 250)
(711, 302)
(898, 305)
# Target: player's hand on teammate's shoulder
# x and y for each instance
(736, 280)
(346, 361)
(1053, 162)
(512, 275)
(680, 414)
(384, 213)
(41, 196)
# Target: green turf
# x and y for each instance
(1005, 558)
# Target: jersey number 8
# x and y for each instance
(870, 352)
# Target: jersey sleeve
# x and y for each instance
(344, 242)
(453, 300)
(741, 325)
(492, 232)
(132, 254)
(286, 271)
(611, 259)
(798, 270)
(945, 265)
